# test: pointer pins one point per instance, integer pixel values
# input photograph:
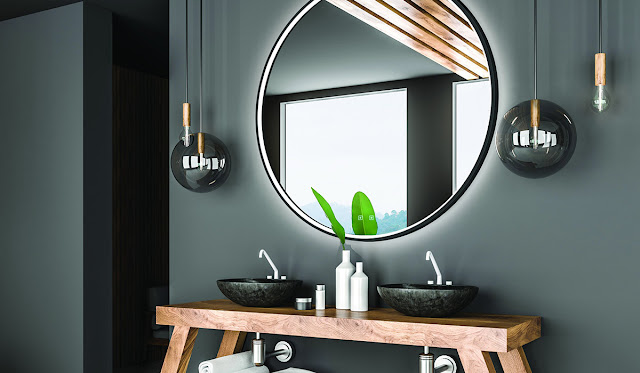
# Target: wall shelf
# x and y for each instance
(473, 335)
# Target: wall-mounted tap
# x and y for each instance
(283, 352)
(431, 258)
(443, 364)
(276, 275)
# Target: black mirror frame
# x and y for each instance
(493, 77)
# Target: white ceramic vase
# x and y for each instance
(359, 290)
(343, 281)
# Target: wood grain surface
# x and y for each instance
(232, 343)
(186, 114)
(475, 361)
(495, 333)
(179, 351)
(435, 28)
(514, 361)
(601, 69)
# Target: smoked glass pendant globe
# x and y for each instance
(536, 149)
(201, 172)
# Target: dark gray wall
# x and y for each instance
(97, 195)
(564, 247)
(55, 216)
(140, 29)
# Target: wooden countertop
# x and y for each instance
(491, 333)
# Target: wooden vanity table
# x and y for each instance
(473, 335)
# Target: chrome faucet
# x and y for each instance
(431, 258)
(276, 275)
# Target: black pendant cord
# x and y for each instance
(600, 25)
(186, 49)
(201, 53)
(535, 49)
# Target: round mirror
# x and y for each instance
(396, 100)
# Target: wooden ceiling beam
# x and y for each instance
(427, 26)
(393, 16)
(411, 41)
(442, 30)
(449, 14)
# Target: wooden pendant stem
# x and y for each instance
(186, 114)
(535, 113)
(601, 69)
(200, 142)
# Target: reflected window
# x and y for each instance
(343, 144)
(471, 113)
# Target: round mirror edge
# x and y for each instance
(493, 77)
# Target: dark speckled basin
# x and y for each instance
(259, 292)
(427, 300)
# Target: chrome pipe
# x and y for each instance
(442, 369)
(259, 349)
(283, 351)
(277, 353)
(426, 363)
(445, 364)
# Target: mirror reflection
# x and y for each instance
(390, 109)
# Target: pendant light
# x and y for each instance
(601, 98)
(536, 138)
(186, 136)
(204, 164)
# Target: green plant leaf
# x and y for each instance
(363, 217)
(338, 229)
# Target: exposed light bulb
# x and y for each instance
(600, 99)
(186, 136)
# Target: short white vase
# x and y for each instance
(359, 290)
(343, 281)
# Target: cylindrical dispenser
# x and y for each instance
(320, 297)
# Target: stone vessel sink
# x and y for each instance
(427, 300)
(259, 292)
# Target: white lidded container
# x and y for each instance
(321, 297)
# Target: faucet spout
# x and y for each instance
(431, 258)
(276, 274)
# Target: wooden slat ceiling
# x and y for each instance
(437, 29)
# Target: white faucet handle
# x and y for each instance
(449, 283)
(283, 277)
(430, 282)
(269, 277)
(273, 266)
(432, 259)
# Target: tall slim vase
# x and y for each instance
(343, 281)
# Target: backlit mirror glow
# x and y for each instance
(347, 106)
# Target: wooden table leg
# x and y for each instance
(514, 361)
(179, 351)
(475, 361)
(232, 343)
